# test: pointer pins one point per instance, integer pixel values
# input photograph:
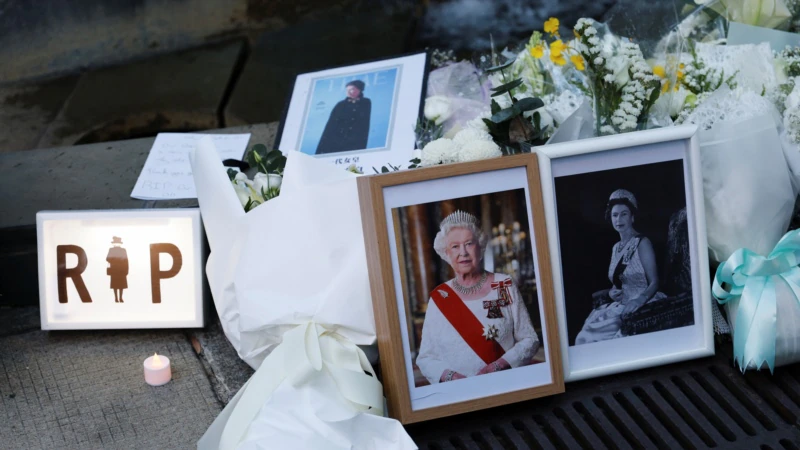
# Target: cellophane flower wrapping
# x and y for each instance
(747, 183)
(296, 261)
(461, 94)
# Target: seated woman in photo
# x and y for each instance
(633, 273)
(477, 322)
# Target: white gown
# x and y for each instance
(442, 348)
(604, 323)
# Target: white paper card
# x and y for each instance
(167, 174)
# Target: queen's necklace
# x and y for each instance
(472, 289)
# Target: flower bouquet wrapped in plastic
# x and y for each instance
(289, 281)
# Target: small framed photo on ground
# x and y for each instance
(363, 115)
(628, 245)
(461, 286)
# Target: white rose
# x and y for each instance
(440, 151)
(243, 192)
(477, 150)
(265, 182)
(438, 109)
(470, 134)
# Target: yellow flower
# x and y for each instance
(660, 71)
(557, 48)
(560, 60)
(577, 61)
(577, 35)
(665, 87)
(537, 51)
(551, 26)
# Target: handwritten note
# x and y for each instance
(167, 173)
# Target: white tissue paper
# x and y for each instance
(747, 183)
(289, 281)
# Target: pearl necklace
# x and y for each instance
(463, 290)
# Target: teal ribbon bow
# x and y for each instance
(750, 280)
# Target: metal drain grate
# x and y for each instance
(693, 405)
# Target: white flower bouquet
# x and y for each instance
(289, 281)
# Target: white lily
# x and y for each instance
(760, 13)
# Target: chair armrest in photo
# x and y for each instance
(671, 312)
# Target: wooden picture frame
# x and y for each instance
(661, 168)
(381, 197)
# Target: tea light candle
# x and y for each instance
(157, 370)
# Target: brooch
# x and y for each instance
(490, 332)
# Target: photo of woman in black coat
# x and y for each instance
(348, 125)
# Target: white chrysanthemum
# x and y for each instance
(468, 135)
(478, 123)
(440, 151)
(476, 150)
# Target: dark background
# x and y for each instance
(586, 238)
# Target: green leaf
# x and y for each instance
(232, 174)
(500, 90)
(384, 169)
(500, 67)
(529, 104)
(495, 107)
(506, 114)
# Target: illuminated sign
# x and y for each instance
(120, 269)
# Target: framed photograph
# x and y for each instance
(627, 237)
(461, 286)
(363, 114)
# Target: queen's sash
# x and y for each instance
(466, 324)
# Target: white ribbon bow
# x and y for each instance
(307, 351)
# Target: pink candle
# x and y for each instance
(157, 370)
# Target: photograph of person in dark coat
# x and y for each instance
(348, 125)
(117, 268)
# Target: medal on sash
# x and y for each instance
(503, 299)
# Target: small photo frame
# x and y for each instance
(627, 235)
(363, 115)
(461, 286)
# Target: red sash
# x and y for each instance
(466, 324)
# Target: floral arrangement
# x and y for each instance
(266, 183)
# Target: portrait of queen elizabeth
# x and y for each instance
(477, 322)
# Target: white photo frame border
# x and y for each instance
(701, 287)
(412, 77)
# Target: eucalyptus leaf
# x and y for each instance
(499, 90)
(495, 107)
(500, 67)
(529, 104)
(504, 115)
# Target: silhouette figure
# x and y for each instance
(117, 268)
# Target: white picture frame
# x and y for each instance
(394, 90)
(157, 271)
(626, 152)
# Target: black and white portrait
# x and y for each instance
(625, 253)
